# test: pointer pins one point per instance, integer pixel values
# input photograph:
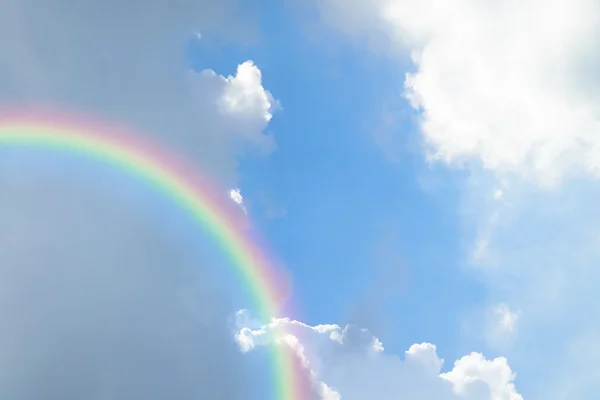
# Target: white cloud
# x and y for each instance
(351, 364)
(510, 91)
(496, 82)
(236, 196)
(245, 104)
(474, 378)
(244, 94)
(506, 319)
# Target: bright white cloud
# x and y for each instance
(244, 93)
(496, 82)
(246, 105)
(236, 196)
(473, 377)
(351, 364)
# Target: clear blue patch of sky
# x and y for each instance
(343, 198)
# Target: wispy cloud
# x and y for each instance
(512, 98)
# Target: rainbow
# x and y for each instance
(181, 184)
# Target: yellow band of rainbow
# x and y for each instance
(178, 182)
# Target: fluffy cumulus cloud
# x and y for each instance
(244, 106)
(244, 97)
(104, 293)
(495, 82)
(351, 364)
(509, 90)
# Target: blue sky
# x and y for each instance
(344, 200)
(352, 215)
(428, 181)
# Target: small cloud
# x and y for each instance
(198, 35)
(507, 319)
(236, 196)
(498, 194)
(501, 324)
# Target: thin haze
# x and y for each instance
(96, 299)
(122, 61)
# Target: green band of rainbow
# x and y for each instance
(185, 187)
